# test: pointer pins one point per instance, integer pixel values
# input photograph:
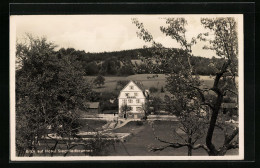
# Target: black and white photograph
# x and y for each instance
(126, 87)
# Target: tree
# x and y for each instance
(191, 125)
(125, 108)
(169, 105)
(162, 89)
(226, 46)
(153, 89)
(91, 68)
(113, 65)
(185, 85)
(156, 103)
(190, 129)
(126, 68)
(50, 91)
(99, 80)
(146, 109)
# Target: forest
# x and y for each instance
(129, 62)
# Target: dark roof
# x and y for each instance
(137, 83)
(92, 105)
(140, 85)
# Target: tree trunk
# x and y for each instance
(53, 148)
(189, 151)
(210, 132)
(189, 147)
(215, 111)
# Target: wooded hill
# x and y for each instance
(127, 62)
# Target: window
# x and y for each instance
(130, 101)
(137, 100)
(124, 101)
(131, 108)
(136, 94)
(131, 87)
(138, 108)
(127, 94)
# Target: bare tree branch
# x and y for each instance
(233, 145)
(229, 138)
(203, 146)
(228, 90)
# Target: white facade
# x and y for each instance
(132, 96)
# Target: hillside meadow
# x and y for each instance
(148, 80)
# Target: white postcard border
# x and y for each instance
(240, 156)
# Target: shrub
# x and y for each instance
(156, 104)
(106, 96)
(106, 105)
(91, 68)
(99, 80)
(126, 70)
(139, 123)
(153, 89)
(162, 89)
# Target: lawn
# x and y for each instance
(132, 127)
(143, 138)
(89, 125)
(140, 141)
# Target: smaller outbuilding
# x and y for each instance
(93, 109)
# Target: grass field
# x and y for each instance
(145, 79)
(110, 81)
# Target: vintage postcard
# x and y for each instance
(126, 87)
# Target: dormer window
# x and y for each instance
(136, 94)
(131, 87)
(127, 94)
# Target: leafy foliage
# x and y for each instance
(50, 91)
(105, 103)
(92, 68)
(162, 90)
(119, 63)
(99, 80)
(188, 95)
(153, 89)
(155, 103)
(124, 109)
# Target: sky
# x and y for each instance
(99, 33)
